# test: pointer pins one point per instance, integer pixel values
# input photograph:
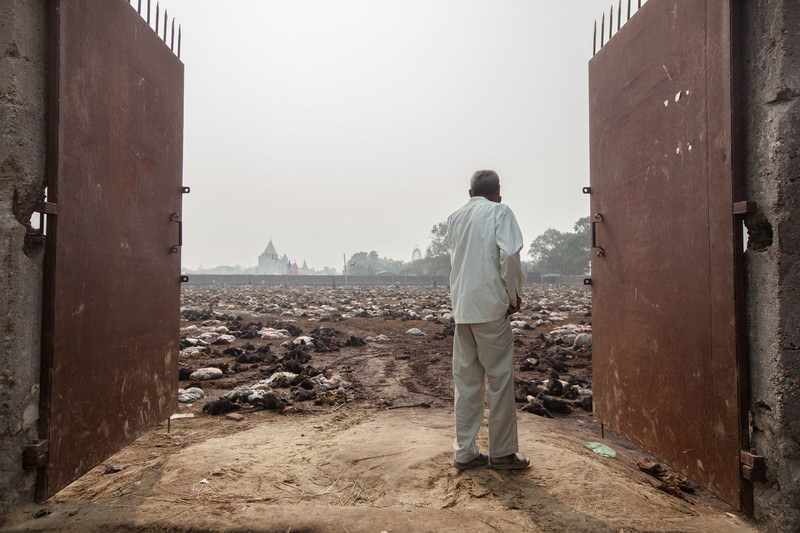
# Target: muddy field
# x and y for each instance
(380, 347)
(331, 410)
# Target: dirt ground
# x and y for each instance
(374, 453)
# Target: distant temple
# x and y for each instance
(270, 263)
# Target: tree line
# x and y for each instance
(552, 252)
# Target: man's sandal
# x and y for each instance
(514, 462)
(481, 460)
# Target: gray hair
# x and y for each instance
(484, 182)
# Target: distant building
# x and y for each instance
(270, 263)
(416, 255)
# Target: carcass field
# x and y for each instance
(295, 349)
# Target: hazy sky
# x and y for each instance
(339, 126)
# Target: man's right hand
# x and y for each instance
(514, 308)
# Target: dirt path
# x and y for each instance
(379, 461)
(367, 471)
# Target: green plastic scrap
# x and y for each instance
(601, 449)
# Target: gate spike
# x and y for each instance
(179, 41)
(602, 29)
(148, 12)
(172, 39)
(640, 4)
(610, 21)
(139, 7)
(629, 9)
(166, 16)
(157, 11)
(594, 39)
(619, 14)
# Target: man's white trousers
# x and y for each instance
(483, 353)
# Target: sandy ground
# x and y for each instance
(379, 461)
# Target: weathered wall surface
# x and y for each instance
(772, 179)
(22, 171)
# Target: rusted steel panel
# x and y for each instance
(729, 361)
(116, 160)
(665, 369)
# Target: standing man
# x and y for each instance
(484, 241)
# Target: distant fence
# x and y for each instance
(318, 281)
(558, 279)
(222, 280)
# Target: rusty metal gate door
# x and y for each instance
(666, 368)
(112, 285)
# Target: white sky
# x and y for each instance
(339, 126)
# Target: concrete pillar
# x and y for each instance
(22, 170)
(771, 122)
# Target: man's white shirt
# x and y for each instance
(484, 241)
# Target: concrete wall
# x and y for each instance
(772, 179)
(317, 281)
(22, 171)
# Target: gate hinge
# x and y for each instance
(35, 455)
(754, 468)
(587, 281)
(744, 208)
(47, 208)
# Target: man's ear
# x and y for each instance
(471, 195)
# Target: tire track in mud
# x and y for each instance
(431, 376)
